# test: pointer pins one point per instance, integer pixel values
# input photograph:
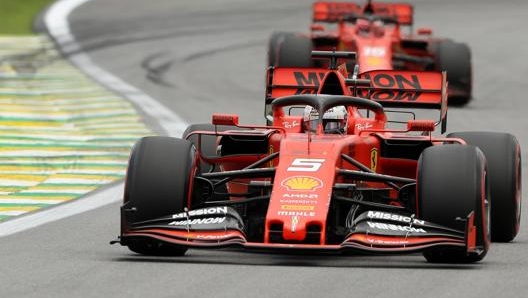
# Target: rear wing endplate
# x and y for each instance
(284, 81)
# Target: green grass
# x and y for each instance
(16, 16)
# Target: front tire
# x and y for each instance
(503, 153)
(158, 183)
(452, 183)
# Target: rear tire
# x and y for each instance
(157, 184)
(455, 59)
(503, 153)
(208, 142)
(449, 186)
(208, 148)
(274, 45)
(295, 51)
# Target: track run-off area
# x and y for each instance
(61, 134)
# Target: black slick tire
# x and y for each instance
(455, 59)
(207, 142)
(274, 45)
(295, 51)
(503, 154)
(157, 184)
(449, 187)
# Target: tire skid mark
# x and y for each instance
(61, 134)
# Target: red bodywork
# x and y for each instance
(382, 36)
(377, 42)
(305, 180)
(374, 32)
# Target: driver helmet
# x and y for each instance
(363, 26)
(334, 119)
(378, 28)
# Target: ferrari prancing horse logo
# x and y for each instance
(373, 159)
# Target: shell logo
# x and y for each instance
(305, 183)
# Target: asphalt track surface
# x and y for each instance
(200, 57)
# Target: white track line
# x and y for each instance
(46, 215)
(56, 20)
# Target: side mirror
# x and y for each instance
(420, 125)
(425, 31)
(225, 119)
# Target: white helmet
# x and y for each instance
(334, 119)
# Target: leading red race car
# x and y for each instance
(327, 175)
(378, 33)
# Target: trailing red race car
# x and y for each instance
(376, 31)
(327, 175)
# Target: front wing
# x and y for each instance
(373, 231)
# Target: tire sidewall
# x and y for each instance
(503, 156)
(451, 183)
(159, 176)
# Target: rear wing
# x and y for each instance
(391, 88)
(397, 88)
(284, 81)
(406, 89)
(333, 11)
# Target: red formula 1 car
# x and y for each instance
(376, 32)
(327, 175)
